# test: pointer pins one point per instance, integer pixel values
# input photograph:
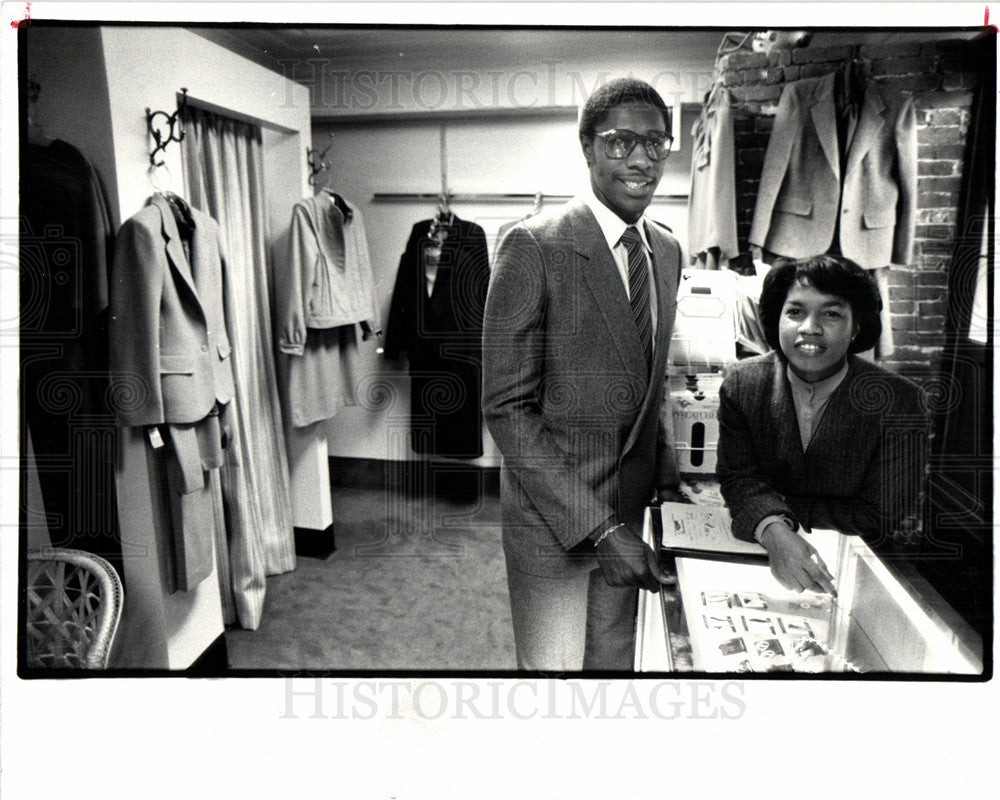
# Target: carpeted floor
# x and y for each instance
(415, 583)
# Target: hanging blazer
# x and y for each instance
(567, 395)
(712, 209)
(863, 470)
(169, 348)
(329, 280)
(804, 187)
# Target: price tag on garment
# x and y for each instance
(154, 437)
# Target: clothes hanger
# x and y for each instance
(161, 182)
(539, 197)
(339, 203)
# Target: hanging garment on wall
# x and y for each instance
(810, 200)
(169, 354)
(327, 290)
(436, 318)
(712, 207)
(66, 240)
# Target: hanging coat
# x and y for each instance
(436, 319)
(66, 240)
(712, 208)
(326, 291)
(808, 193)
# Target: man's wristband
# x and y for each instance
(607, 533)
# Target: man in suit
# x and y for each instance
(578, 319)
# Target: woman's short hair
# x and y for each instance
(834, 275)
(619, 92)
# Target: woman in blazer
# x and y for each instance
(811, 436)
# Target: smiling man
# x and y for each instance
(578, 320)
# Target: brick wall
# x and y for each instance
(941, 76)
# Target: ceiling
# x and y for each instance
(383, 47)
(386, 48)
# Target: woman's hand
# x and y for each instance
(794, 562)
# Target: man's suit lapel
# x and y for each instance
(665, 294)
(604, 281)
(172, 239)
(869, 126)
(824, 116)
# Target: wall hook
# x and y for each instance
(157, 130)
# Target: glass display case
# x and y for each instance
(732, 616)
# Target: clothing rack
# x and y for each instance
(487, 197)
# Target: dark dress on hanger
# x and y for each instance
(436, 318)
(66, 239)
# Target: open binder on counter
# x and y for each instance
(697, 531)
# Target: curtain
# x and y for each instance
(224, 177)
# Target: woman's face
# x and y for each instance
(815, 331)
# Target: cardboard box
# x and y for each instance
(694, 409)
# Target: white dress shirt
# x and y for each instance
(613, 226)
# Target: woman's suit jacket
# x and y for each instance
(804, 188)
(863, 470)
(169, 348)
(567, 395)
(329, 281)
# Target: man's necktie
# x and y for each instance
(638, 289)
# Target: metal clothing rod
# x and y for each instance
(488, 197)
(463, 197)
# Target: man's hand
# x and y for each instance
(794, 562)
(626, 560)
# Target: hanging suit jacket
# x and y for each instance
(806, 192)
(170, 362)
(863, 470)
(169, 347)
(712, 209)
(329, 282)
(441, 335)
(567, 394)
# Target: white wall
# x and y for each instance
(512, 154)
(147, 67)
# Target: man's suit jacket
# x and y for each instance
(169, 348)
(567, 395)
(804, 187)
(865, 465)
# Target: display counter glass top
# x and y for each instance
(724, 617)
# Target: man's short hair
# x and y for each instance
(619, 92)
(834, 275)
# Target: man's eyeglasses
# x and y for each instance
(619, 144)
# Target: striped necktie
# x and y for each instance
(638, 289)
